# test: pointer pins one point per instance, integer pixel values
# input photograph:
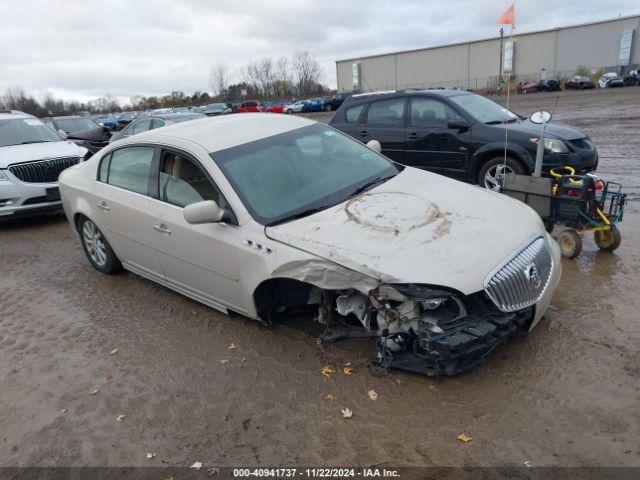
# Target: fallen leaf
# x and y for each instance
(372, 394)
(108, 376)
(347, 413)
(232, 346)
(527, 463)
(120, 417)
(348, 364)
(93, 391)
(329, 397)
(114, 351)
(398, 381)
(463, 437)
(223, 361)
(243, 359)
(193, 312)
(327, 370)
(347, 370)
(170, 477)
(64, 410)
(150, 455)
(197, 465)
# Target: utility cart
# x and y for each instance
(579, 203)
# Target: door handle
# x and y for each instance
(413, 136)
(364, 133)
(104, 206)
(162, 228)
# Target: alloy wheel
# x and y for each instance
(494, 176)
(94, 242)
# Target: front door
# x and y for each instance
(384, 122)
(199, 260)
(430, 144)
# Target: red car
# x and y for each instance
(274, 107)
(249, 106)
(527, 87)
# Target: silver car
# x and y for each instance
(264, 214)
(32, 156)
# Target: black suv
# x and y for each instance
(460, 134)
(335, 101)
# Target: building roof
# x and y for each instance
(226, 131)
(487, 39)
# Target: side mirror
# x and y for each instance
(458, 124)
(374, 145)
(206, 211)
(540, 117)
(63, 134)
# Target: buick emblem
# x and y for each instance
(532, 274)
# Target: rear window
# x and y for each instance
(386, 112)
(353, 114)
(128, 168)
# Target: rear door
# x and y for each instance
(430, 144)
(384, 121)
(126, 214)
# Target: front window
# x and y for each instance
(183, 183)
(483, 110)
(70, 125)
(296, 173)
(20, 131)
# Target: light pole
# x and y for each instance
(500, 64)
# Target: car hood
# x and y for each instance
(553, 129)
(418, 227)
(39, 151)
(91, 134)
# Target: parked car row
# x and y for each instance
(580, 82)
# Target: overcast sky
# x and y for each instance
(85, 49)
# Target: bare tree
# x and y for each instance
(219, 78)
(307, 73)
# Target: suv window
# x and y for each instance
(128, 168)
(182, 182)
(386, 112)
(353, 114)
(428, 112)
(141, 126)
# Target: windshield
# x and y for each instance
(19, 131)
(70, 125)
(301, 171)
(483, 109)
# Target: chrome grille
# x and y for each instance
(42, 171)
(521, 280)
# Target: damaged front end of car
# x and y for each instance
(430, 330)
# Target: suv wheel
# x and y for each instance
(327, 108)
(97, 249)
(491, 173)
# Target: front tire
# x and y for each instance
(493, 170)
(97, 249)
(608, 240)
(327, 108)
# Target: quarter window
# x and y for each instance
(129, 168)
(183, 183)
(353, 114)
(386, 112)
(427, 112)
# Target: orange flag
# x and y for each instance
(508, 17)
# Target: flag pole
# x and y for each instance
(506, 113)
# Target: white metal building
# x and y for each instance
(610, 45)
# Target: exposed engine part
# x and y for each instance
(355, 303)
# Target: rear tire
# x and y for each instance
(608, 240)
(570, 243)
(493, 169)
(97, 248)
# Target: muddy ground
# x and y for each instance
(568, 394)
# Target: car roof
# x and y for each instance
(226, 131)
(169, 116)
(437, 92)
(9, 114)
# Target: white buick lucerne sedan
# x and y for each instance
(263, 214)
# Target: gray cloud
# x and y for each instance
(86, 49)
